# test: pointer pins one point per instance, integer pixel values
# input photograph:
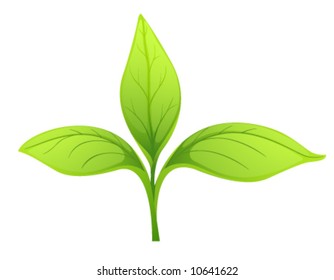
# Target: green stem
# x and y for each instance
(153, 207)
(149, 187)
(154, 221)
(152, 191)
(163, 173)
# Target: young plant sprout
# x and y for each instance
(150, 100)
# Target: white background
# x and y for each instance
(264, 62)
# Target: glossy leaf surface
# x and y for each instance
(82, 150)
(150, 92)
(240, 152)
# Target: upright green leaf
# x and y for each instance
(240, 152)
(150, 92)
(82, 150)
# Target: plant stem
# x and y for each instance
(143, 175)
(154, 221)
(153, 207)
(163, 173)
(152, 191)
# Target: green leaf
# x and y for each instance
(82, 150)
(150, 92)
(240, 152)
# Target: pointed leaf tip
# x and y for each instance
(22, 149)
(141, 19)
(319, 157)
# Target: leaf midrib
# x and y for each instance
(148, 83)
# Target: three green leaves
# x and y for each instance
(150, 100)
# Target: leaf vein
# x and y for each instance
(170, 107)
(97, 155)
(222, 155)
(86, 142)
(138, 118)
(159, 86)
(138, 84)
(240, 142)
